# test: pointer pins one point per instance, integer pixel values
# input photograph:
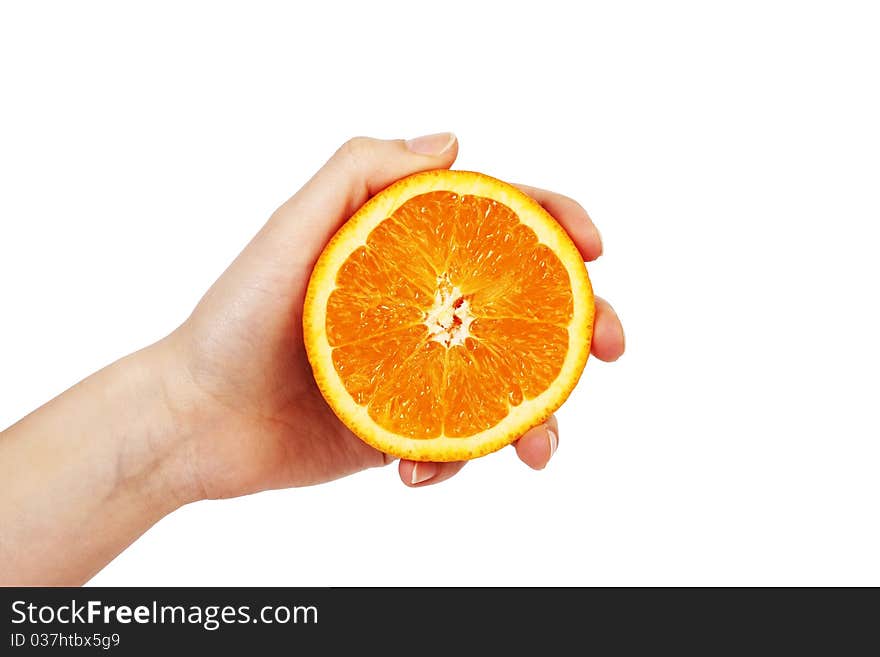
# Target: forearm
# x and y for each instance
(86, 474)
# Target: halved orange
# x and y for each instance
(448, 316)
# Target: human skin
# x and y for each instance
(226, 404)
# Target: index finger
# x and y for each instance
(572, 217)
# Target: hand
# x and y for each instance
(244, 396)
(226, 404)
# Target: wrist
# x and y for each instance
(157, 462)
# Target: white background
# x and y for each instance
(729, 152)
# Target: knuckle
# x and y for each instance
(356, 148)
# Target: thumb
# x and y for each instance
(358, 170)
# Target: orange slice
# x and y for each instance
(448, 316)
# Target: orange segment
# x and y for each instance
(417, 236)
(370, 299)
(408, 401)
(367, 364)
(474, 400)
(488, 240)
(536, 286)
(529, 354)
(447, 316)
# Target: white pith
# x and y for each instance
(449, 319)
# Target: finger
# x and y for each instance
(609, 341)
(358, 170)
(538, 444)
(416, 474)
(572, 217)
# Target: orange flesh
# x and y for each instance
(449, 315)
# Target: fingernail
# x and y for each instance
(435, 144)
(553, 439)
(422, 472)
(601, 242)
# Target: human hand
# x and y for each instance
(249, 413)
(226, 404)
